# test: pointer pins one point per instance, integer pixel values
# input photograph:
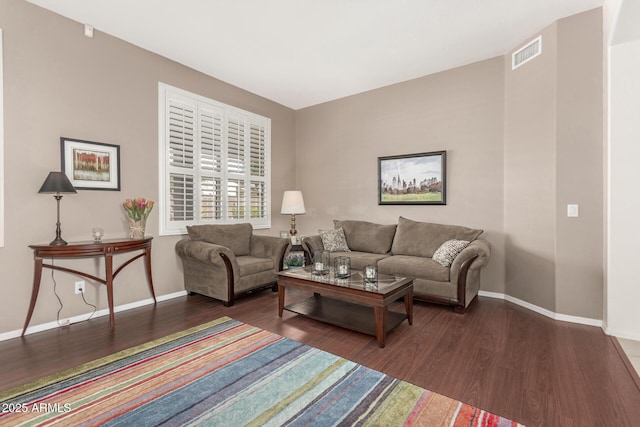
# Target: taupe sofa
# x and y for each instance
(408, 249)
(228, 261)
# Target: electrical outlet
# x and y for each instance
(80, 287)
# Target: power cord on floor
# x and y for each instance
(55, 292)
(91, 305)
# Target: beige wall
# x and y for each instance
(530, 176)
(460, 111)
(521, 145)
(580, 165)
(59, 83)
(554, 157)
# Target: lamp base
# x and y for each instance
(58, 242)
(293, 230)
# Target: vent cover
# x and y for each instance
(526, 53)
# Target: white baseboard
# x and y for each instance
(634, 336)
(82, 317)
(496, 295)
(544, 311)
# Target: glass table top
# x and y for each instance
(355, 280)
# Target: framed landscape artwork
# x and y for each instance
(91, 165)
(413, 179)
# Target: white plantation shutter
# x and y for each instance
(257, 164)
(236, 199)
(181, 202)
(181, 150)
(211, 160)
(211, 140)
(257, 150)
(235, 146)
(258, 200)
(215, 163)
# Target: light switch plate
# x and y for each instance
(573, 211)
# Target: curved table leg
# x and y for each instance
(147, 263)
(108, 266)
(37, 275)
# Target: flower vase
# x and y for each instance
(136, 228)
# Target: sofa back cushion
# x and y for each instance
(363, 236)
(423, 238)
(236, 237)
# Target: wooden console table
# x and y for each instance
(106, 248)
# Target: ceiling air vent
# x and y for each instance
(526, 53)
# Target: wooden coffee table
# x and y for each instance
(349, 303)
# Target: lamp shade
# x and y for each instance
(292, 203)
(57, 182)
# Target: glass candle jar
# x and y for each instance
(321, 262)
(370, 273)
(342, 267)
(97, 234)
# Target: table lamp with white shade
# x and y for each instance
(292, 204)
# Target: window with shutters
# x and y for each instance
(214, 163)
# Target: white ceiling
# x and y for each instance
(304, 52)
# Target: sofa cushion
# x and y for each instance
(251, 265)
(366, 236)
(423, 238)
(413, 266)
(359, 259)
(236, 237)
(334, 240)
(448, 251)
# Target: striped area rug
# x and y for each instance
(227, 373)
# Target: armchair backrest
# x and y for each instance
(236, 237)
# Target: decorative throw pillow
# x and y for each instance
(334, 240)
(448, 251)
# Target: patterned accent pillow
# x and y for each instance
(448, 251)
(334, 240)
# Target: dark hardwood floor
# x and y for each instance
(497, 356)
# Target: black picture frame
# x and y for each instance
(413, 179)
(90, 165)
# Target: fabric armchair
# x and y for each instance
(226, 262)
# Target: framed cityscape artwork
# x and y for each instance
(413, 179)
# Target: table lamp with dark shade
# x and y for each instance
(57, 183)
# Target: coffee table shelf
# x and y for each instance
(349, 303)
(345, 314)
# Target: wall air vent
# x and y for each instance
(526, 53)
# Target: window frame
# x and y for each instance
(248, 122)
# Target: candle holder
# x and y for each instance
(341, 267)
(321, 262)
(370, 274)
(97, 234)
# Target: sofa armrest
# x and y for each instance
(207, 253)
(478, 249)
(270, 247)
(312, 243)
